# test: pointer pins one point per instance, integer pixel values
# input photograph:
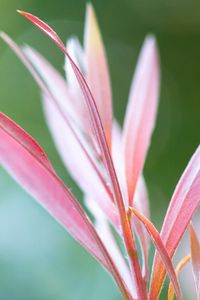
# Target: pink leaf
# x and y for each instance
(195, 254)
(105, 154)
(53, 81)
(23, 157)
(43, 27)
(28, 164)
(77, 163)
(184, 202)
(94, 115)
(154, 234)
(97, 74)
(141, 113)
(78, 159)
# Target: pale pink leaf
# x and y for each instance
(141, 113)
(92, 108)
(97, 73)
(77, 163)
(74, 158)
(28, 164)
(183, 205)
(162, 251)
(104, 150)
(79, 158)
(26, 161)
(53, 81)
(195, 254)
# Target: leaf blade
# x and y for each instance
(154, 234)
(105, 154)
(18, 157)
(54, 103)
(92, 108)
(183, 205)
(97, 73)
(141, 113)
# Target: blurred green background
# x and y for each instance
(38, 259)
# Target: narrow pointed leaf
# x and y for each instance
(105, 155)
(78, 159)
(195, 254)
(61, 131)
(179, 267)
(183, 205)
(92, 108)
(27, 163)
(43, 26)
(97, 74)
(77, 163)
(155, 236)
(141, 113)
(53, 80)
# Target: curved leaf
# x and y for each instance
(27, 163)
(141, 113)
(105, 155)
(154, 234)
(94, 115)
(78, 159)
(184, 203)
(97, 74)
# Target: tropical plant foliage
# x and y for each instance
(105, 160)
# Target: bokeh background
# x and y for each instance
(38, 259)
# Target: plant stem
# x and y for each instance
(134, 260)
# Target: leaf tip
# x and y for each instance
(193, 235)
(21, 12)
(5, 37)
(91, 25)
(27, 15)
(89, 8)
(2, 34)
